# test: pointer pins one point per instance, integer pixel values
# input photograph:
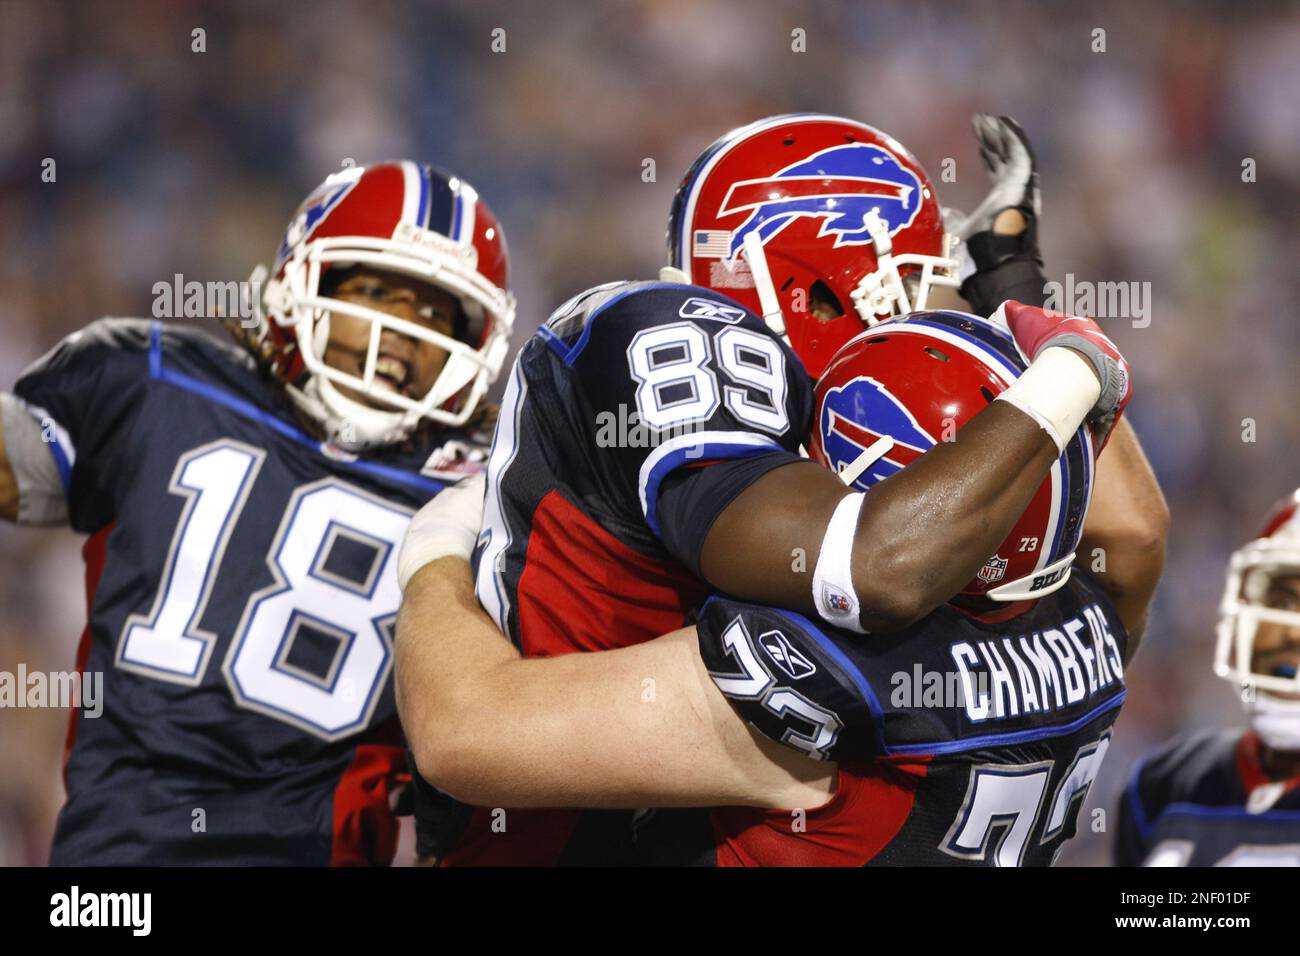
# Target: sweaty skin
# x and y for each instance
(492, 728)
(1123, 542)
(922, 534)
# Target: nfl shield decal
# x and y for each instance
(995, 568)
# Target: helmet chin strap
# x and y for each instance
(767, 299)
(1276, 721)
(877, 450)
(1023, 589)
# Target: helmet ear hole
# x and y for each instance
(819, 293)
(987, 393)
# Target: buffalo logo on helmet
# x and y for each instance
(841, 185)
(315, 209)
(844, 436)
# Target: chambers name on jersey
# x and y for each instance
(1205, 800)
(960, 742)
(241, 593)
(630, 421)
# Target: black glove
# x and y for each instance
(439, 819)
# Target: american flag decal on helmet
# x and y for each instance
(712, 243)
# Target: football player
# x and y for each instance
(245, 503)
(1232, 797)
(594, 540)
(991, 771)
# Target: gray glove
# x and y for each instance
(1005, 267)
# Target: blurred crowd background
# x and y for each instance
(174, 161)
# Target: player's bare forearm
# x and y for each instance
(445, 645)
(8, 485)
(1124, 538)
(922, 534)
(640, 726)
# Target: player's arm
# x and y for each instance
(31, 488)
(920, 535)
(923, 533)
(639, 726)
(1000, 255)
(1128, 519)
(1127, 527)
(64, 421)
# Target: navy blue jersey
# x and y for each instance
(1204, 800)
(242, 596)
(629, 394)
(959, 741)
(625, 388)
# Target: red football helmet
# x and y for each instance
(403, 217)
(811, 199)
(1253, 568)
(901, 386)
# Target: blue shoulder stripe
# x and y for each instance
(1014, 737)
(246, 409)
(569, 353)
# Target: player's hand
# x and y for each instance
(1036, 329)
(1002, 259)
(447, 526)
(1013, 177)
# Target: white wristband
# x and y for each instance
(1058, 390)
(833, 593)
(447, 526)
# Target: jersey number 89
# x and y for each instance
(675, 385)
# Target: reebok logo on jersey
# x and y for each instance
(697, 308)
(778, 647)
